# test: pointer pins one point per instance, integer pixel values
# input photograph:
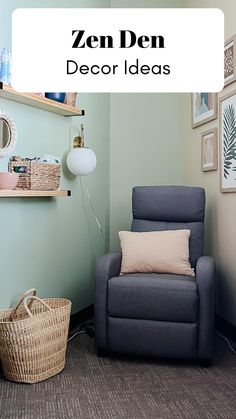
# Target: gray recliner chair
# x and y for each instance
(159, 315)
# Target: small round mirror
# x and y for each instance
(7, 134)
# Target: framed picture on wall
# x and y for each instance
(204, 108)
(209, 148)
(230, 60)
(228, 142)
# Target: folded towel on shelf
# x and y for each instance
(50, 159)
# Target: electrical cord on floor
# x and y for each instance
(228, 342)
(75, 334)
(88, 329)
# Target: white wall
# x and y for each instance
(221, 208)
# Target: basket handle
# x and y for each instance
(32, 291)
(33, 297)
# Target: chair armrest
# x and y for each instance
(108, 266)
(205, 280)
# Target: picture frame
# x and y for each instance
(227, 137)
(230, 61)
(209, 150)
(204, 108)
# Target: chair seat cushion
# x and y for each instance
(164, 297)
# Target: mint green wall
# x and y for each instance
(50, 243)
(145, 149)
(147, 3)
(146, 140)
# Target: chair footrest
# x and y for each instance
(153, 338)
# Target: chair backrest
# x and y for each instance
(157, 208)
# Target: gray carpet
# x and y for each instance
(111, 388)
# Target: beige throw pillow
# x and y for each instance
(156, 251)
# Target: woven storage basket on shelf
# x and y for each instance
(33, 338)
(36, 176)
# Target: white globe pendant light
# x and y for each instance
(81, 161)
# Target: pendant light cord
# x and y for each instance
(83, 188)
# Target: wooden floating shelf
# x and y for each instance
(20, 193)
(39, 102)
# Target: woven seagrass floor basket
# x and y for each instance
(33, 338)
